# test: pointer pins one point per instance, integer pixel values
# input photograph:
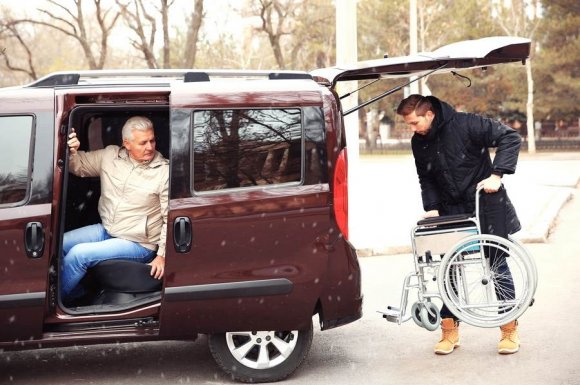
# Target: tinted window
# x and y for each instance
(15, 135)
(244, 148)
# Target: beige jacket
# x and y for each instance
(134, 197)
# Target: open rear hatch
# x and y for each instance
(453, 57)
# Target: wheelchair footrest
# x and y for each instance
(392, 314)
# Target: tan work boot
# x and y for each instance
(510, 341)
(449, 338)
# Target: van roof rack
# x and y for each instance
(100, 77)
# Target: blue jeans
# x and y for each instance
(84, 247)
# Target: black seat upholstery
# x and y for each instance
(125, 277)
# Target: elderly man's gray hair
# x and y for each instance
(139, 123)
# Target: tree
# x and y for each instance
(557, 71)
(143, 17)
(440, 22)
(144, 25)
(380, 27)
(275, 21)
(379, 36)
(25, 51)
(72, 22)
(312, 43)
(300, 33)
(10, 32)
(495, 91)
(522, 18)
(195, 22)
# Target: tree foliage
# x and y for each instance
(557, 69)
(300, 33)
(440, 23)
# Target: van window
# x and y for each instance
(15, 151)
(245, 148)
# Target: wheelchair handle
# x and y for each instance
(477, 196)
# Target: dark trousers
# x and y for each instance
(493, 220)
(504, 288)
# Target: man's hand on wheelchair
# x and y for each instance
(491, 184)
(431, 214)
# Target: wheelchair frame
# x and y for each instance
(452, 251)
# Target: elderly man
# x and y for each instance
(133, 205)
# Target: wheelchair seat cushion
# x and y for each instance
(444, 219)
(125, 276)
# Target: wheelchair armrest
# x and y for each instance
(444, 219)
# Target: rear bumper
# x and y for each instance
(341, 300)
(333, 323)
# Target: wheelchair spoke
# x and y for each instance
(484, 280)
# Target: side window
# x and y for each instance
(245, 148)
(15, 152)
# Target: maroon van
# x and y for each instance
(257, 236)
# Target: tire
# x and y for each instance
(262, 356)
(430, 316)
(416, 314)
(426, 316)
(470, 284)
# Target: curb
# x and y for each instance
(391, 250)
(540, 230)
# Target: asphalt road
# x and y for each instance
(369, 351)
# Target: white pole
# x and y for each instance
(530, 109)
(346, 53)
(413, 87)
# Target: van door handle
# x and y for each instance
(34, 239)
(182, 234)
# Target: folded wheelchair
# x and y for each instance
(484, 280)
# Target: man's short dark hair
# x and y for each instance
(415, 103)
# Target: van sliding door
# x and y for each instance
(248, 213)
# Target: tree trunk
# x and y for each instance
(275, 43)
(530, 109)
(165, 26)
(192, 34)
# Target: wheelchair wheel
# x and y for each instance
(426, 316)
(430, 316)
(487, 281)
(416, 313)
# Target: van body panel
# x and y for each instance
(26, 222)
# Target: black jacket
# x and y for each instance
(453, 157)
